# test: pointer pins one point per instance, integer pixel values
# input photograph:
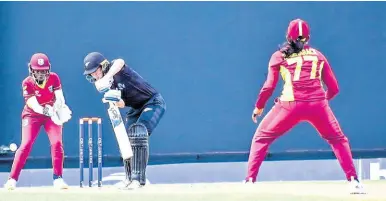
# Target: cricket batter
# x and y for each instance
(303, 98)
(126, 88)
(45, 107)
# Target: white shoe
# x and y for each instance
(356, 187)
(60, 184)
(134, 185)
(122, 184)
(10, 184)
(127, 184)
(249, 181)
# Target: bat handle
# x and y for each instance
(111, 105)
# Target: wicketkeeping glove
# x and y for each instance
(48, 110)
(61, 113)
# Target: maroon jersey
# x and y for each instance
(44, 93)
(303, 74)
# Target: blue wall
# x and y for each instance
(208, 59)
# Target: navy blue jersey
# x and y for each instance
(135, 90)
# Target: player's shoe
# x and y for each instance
(128, 185)
(134, 185)
(60, 184)
(248, 181)
(10, 184)
(122, 184)
(356, 187)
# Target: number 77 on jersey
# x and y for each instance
(304, 74)
(308, 63)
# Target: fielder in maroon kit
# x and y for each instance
(303, 69)
(45, 107)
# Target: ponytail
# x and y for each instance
(289, 48)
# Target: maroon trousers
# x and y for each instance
(30, 130)
(285, 115)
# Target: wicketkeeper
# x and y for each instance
(45, 107)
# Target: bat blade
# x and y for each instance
(120, 131)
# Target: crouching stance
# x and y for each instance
(45, 107)
(124, 87)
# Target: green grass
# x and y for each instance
(264, 191)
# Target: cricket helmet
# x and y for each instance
(93, 61)
(298, 29)
(39, 67)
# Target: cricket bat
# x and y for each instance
(120, 131)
